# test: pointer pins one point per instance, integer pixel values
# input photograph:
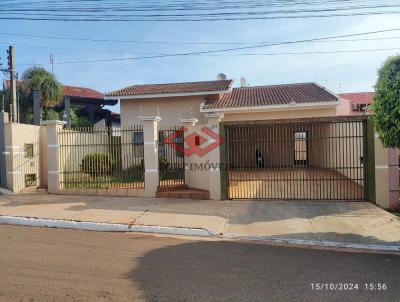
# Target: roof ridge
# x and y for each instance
(176, 83)
(274, 85)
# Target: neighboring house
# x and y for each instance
(89, 101)
(355, 103)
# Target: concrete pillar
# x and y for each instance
(150, 138)
(383, 164)
(52, 128)
(214, 157)
(393, 163)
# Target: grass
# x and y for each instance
(132, 177)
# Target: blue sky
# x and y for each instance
(350, 71)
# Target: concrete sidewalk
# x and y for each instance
(342, 222)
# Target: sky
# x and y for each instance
(343, 72)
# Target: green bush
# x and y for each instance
(98, 164)
(163, 163)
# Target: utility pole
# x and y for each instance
(52, 62)
(13, 86)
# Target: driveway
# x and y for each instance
(343, 222)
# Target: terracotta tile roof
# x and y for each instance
(71, 91)
(173, 88)
(272, 95)
(82, 92)
(359, 97)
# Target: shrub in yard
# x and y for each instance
(98, 164)
(163, 163)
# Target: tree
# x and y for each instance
(51, 90)
(387, 103)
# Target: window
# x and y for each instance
(28, 150)
(30, 180)
(138, 138)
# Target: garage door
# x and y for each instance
(307, 160)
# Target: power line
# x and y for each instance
(160, 42)
(312, 52)
(223, 55)
(204, 10)
(209, 19)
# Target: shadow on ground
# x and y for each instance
(228, 271)
(337, 237)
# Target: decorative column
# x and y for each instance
(52, 128)
(214, 158)
(150, 140)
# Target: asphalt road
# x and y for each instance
(38, 264)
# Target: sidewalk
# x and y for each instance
(341, 222)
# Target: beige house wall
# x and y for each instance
(170, 109)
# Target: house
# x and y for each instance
(210, 140)
(355, 103)
(279, 141)
(176, 101)
(88, 101)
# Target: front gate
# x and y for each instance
(171, 158)
(307, 160)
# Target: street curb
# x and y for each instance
(331, 244)
(199, 232)
(103, 227)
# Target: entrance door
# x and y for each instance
(300, 148)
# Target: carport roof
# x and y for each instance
(272, 95)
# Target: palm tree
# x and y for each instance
(51, 90)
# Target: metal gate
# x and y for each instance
(171, 159)
(307, 160)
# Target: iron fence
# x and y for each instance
(92, 158)
(315, 160)
(171, 159)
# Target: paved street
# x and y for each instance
(40, 264)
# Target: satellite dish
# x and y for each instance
(221, 76)
(243, 82)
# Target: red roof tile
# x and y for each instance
(174, 88)
(359, 97)
(272, 95)
(71, 91)
(81, 92)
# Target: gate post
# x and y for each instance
(52, 128)
(150, 141)
(214, 157)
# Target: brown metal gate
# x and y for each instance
(306, 160)
(171, 159)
